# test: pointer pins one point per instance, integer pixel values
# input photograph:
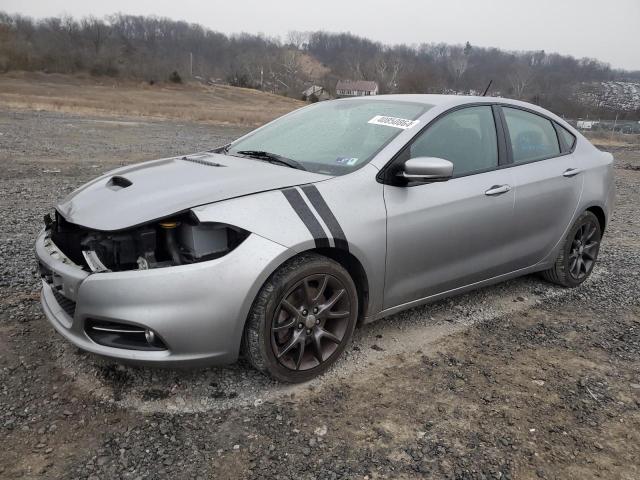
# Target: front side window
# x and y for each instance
(466, 137)
(335, 137)
(532, 136)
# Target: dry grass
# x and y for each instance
(612, 139)
(222, 105)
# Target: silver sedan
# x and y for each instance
(275, 246)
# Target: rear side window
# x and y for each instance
(567, 138)
(532, 136)
(466, 137)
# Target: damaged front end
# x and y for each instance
(178, 240)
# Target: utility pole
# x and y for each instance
(191, 63)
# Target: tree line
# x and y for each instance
(159, 49)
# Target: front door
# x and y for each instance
(441, 236)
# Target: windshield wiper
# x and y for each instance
(272, 158)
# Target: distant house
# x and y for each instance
(315, 91)
(357, 88)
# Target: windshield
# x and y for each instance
(334, 137)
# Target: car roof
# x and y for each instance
(435, 99)
(449, 101)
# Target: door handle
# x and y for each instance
(570, 172)
(498, 190)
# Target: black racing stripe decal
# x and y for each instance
(306, 215)
(327, 216)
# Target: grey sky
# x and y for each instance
(606, 30)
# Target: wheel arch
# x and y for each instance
(349, 262)
(357, 272)
(600, 215)
(346, 259)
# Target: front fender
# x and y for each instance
(267, 214)
(345, 213)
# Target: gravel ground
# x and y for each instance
(519, 380)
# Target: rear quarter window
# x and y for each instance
(568, 139)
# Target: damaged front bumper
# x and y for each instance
(196, 312)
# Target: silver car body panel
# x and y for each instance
(196, 309)
(414, 245)
(160, 188)
(469, 230)
(348, 197)
(65, 275)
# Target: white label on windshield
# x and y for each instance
(402, 123)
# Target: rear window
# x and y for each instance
(532, 136)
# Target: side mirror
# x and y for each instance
(427, 169)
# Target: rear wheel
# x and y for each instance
(302, 319)
(578, 253)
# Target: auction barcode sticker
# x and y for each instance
(402, 123)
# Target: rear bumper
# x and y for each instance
(198, 310)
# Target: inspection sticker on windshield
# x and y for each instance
(402, 123)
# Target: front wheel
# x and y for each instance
(578, 253)
(302, 319)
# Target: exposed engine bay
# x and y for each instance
(168, 242)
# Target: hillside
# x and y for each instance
(154, 50)
(616, 96)
(114, 97)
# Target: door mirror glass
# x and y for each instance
(427, 169)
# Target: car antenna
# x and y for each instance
(487, 89)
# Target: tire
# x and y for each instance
(574, 248)
(294, 313)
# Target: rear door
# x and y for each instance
(547, 180)
(444, 235)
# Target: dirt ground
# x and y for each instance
(523, 380)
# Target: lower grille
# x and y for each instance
(54, 281)
(69, 306)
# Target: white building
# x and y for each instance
(586, 124)
(349, 88)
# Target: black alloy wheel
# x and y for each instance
(578, 252)
(302, 319)
(584, 250)
(310, 322)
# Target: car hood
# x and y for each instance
(140, 193)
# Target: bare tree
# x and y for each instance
(97, 31)
(520, 78)
(387, 69)
(458, 64)
(297, 39)
(151, 48)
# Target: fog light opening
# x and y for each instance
(150, 336)
(123, 335)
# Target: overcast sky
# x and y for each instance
(606, 30)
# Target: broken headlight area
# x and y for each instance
(178, 240)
